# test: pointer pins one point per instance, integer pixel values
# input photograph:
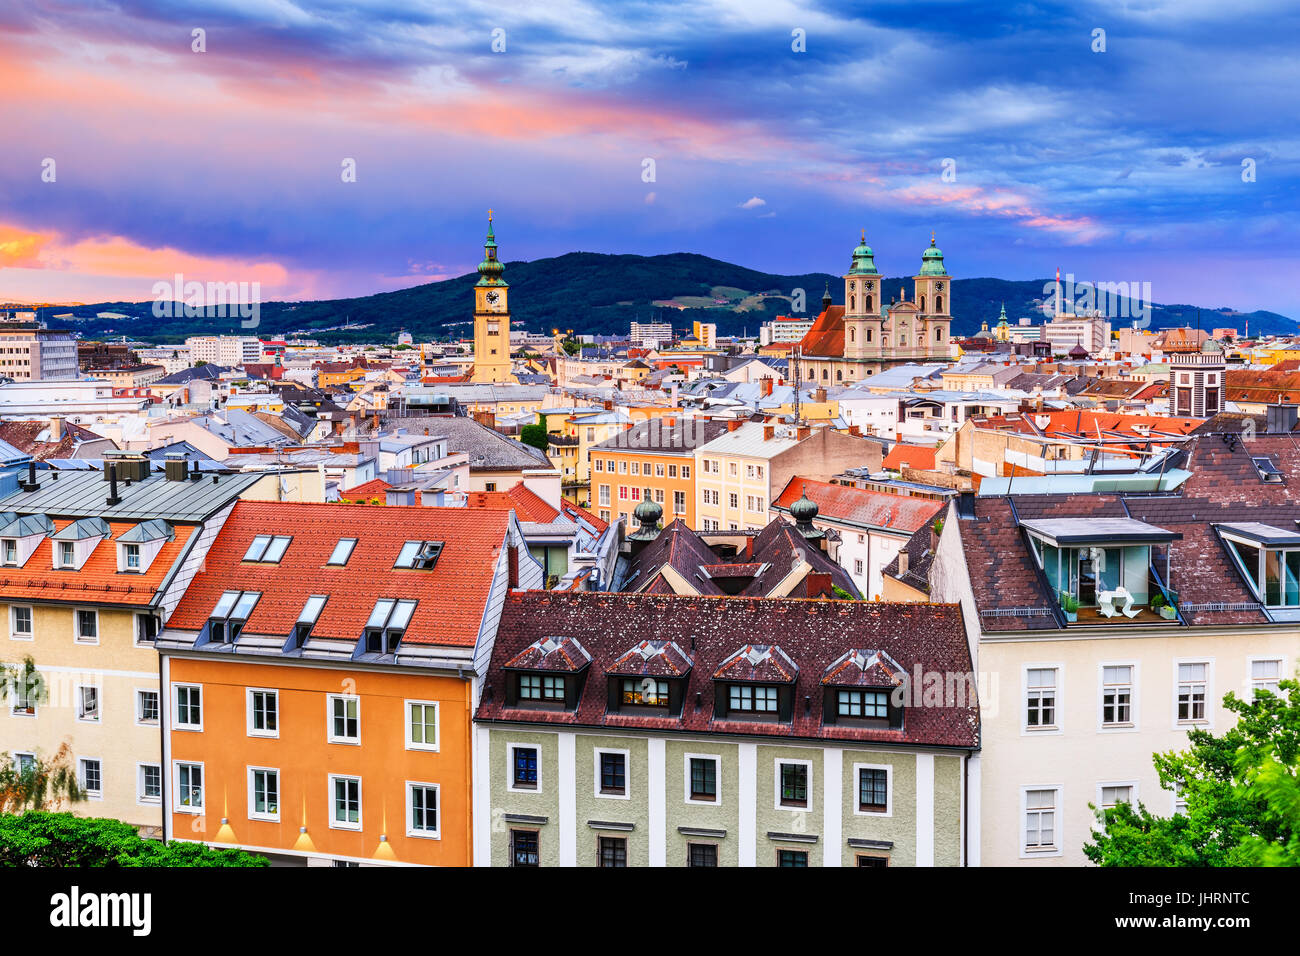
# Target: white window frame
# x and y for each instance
(140, 799)
(176, 708)
(176, 787)
(279, 795)
(248, 712)
(135, 634)
(13, 622)
(510, 767)
(1133, 725)
(1208, 721)
(18, 756)
(437, 724)
(96, 795)
(1254, 659)
(411, 831)
(889, 790)
(139, 721)
(329, 720)
(627, 773)
(1058, 809)
(76, 625)
(1057, 728)
(333, 822)
(1102, 785)
(776, 785)
(686, 780)
(99, 703)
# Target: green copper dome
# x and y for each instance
(932, 260)
(803, 511)
(648, 514)
(1209, 345)
(863, 262)
(490, 269)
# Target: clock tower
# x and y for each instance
(491, 316)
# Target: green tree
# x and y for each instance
(570, 346)
(40, 838)
(1240, 789)
(37, 782)
(534, 435)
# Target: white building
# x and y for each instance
(231, 351)
(783, 329)
(31, 352)
(650, 334)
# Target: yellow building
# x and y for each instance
(491, 317)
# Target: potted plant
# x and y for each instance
(1163, 608)
(1070, 605)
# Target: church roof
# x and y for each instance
(826, 337)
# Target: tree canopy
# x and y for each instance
(41, 838)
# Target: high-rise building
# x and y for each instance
(650, 334)
(230, 351)
(30, 352)
(491, 316)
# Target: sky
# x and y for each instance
(1164, 149)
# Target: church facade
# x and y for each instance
(491, 317)
(866, 334)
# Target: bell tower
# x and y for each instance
(862, 304)
(491, 316)
(933, 297)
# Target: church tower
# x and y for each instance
(933, 302)
(862, 313)
(491, 317)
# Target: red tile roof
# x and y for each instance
(909, 456)
(826, 337)
(530, 506)
(98, 581)
(878, 509)
(452, 596)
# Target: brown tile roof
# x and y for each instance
(814, 634)
(826, 337)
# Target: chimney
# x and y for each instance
(855, 430)
(609, 404)
(512, 567)
(30, 484)
(819, 394)
(112, 486)
(735, 423)
(767, 386)
(670, 422)
(819, 584)
(902, 561)
(768, 432)
(174, 467)
(56, 429)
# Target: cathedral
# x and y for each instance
(866, 335)
(491, 317)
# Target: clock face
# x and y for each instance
(870, 286)
(492, 296)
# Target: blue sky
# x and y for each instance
(1122, 165)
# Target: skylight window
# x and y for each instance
(228, 617)
(307, 619)
(386, 625)
(1267, 470)
(342, 551)
(419, 554)
(267, 549)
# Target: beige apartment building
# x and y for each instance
(30, 352)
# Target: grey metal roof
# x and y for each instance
(84, 528)
(1263, 533)
(487, 449)
(1067, 531)
(15, 526)
(83, 494)
(155, 529)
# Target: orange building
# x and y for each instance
(655, 460)
(318, 680)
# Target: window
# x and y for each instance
(733, 469)
(792, 858)
(263, 713)
(146, 628)
(622, 492)
(419, 555)
(87, 626)
(604, 494)
(600, 464)
(679, 502)
(1113, 796)
(344, 719)
(733, 499)
(20, 623)
(873, 789)
(263, 794)
(613, 772)
(345, 797)
(422, 810)
(342, 551)
(870, 704)
(613, 851)
(857, 566)
(702, 779)
(541, 687)
(659, 470)
(67, 554)
(421, 725)
(25, 763)
(386, 625)
(88, 703)
(10, 551)
(149, 783)
(90, 778)
(749, 471)
(752, 697)
(878, 861)
(132, 553)
(267, 549)
(1264, 675)
(189, 787)
(1117, 695)
(792, 785)
(523, 848)
(1040, 698)
(227, 619)
(1040, 821)
(701, 854)
(524, 773)
(686, 471)
(622, 466)
(189, 707)
(647, 693)
(1191, 691)
(307, 619)
(146, 707)
(636, 467)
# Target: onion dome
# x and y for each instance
(932, 260)
(490, 269)
(1209, 346)
(1078, 352)
(648, 513)
(863, 262)
(803, 511)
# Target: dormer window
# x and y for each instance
(1268, 558)
(307, 619)
(420, 555)
(67, 554)
(647, 692)
(10, 551)
(131, 552)
(650, 678)
(387, 624)
(548, 674)
(540, 687)
(761, 699)
(228, 617)
(858, 690)
(862, 703)
(755, 683)
(267, 549)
